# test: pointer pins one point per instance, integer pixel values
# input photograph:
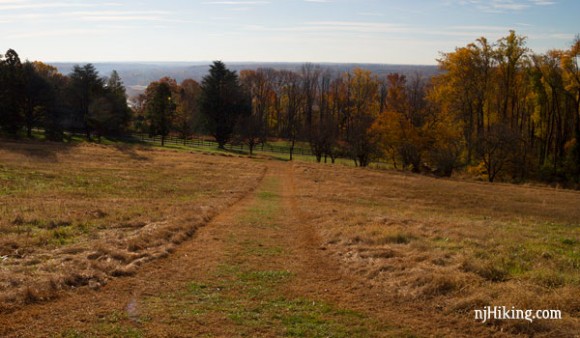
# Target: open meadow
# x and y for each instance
(450, 247)
(138, 241)
(75, 216)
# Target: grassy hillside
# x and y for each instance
(294, 249)
(78, 215)
(453, 246)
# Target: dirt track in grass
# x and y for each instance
(259, 268)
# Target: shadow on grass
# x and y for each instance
(36, 148)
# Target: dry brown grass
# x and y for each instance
(80, 216)
(452, 246)
(75, 216)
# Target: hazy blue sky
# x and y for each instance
(377, 31)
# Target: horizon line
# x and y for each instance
(242, 62)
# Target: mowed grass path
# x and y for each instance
(244, 292)
(244, 274)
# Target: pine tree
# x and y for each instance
(11, 93)
(86, 87)
(223, 101)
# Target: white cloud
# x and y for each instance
(353, 26)
(498, 6)
(100, 13)
(375, 14)
(480, 28)
(236, 3)
(30, 5)
(552, 36)
(56, 33)
(119, 16)
(543, 2)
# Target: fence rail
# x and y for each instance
(198, 142)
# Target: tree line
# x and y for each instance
(497, 110)
(36, 95)
(517, 113)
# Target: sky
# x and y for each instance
(345, 31)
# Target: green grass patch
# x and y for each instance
(307, 318)
(543, 253)
(250, 303)
(266, 209)
(267, 196)
(115, 324)
(264, 277)
(256, 248)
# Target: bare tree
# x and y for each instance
(294, 102)
(496, 148)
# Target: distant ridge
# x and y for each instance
(137, 75)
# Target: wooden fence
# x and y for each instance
(204, 143)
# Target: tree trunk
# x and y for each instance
(292, 149)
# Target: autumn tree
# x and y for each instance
(465, 87)
(248, 130)
(547, 83)
(571, 73)
(409, 121)
(485, 85)
(362, 110)
(253, 127)
(496, 148)
(37, 97)
(222, 102)
(400, 129)
(293, 108)
(277, 86)
(511, 93)
(510, 54)
(55, 101)
(330, 116)
(444, 134)
(309, 74)
(187, 115)
(321, 129)
(138, 105)
(160, 107)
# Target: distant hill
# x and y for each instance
(137, 76)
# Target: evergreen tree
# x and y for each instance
(109, 113)
(118, 96)
(11, 93)
(223, 101)
(86, 86)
